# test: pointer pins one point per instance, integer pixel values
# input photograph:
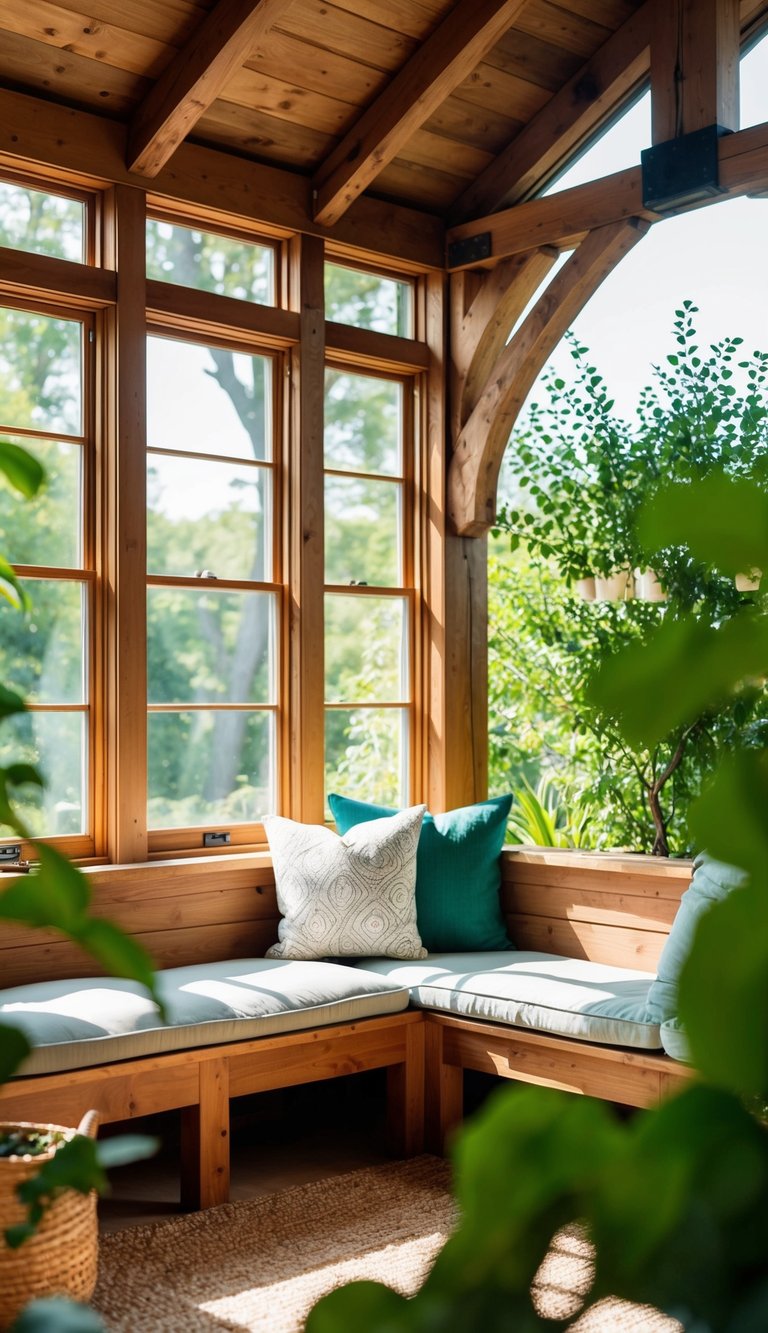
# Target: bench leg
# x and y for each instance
(405, 1097)
(443, 1092)
(205, 1140)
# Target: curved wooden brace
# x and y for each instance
(480, 446)
(485, 306)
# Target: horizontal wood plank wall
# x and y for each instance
(608, 908)
(182, 912)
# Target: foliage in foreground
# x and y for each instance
(580, 475)
(676, 1200)
(55, 895)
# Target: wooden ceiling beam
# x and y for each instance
(194, 79)
(694, 67)
(88, 151)
(444, 60)
(564, 219)
(477, 456)
(577, 111)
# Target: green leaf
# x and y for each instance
(58, 1316)
(10, 702)
(368, 1306)
(21, 468)
(719, 519)
(55, 895)
(725, 1007)
(10, 587)
(683, 670)
(14, 1048)
(119, 954)
(125, 1149)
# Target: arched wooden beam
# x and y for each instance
(477, 456)
(485, 306)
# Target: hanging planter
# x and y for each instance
(61, 1258)
(647, 586)
(585, 588)
(616, 587)
(748, 582)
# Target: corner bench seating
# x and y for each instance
(562, 1011)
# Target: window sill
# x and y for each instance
(623, 863)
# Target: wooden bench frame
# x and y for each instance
(200, 1083)
(613, 909)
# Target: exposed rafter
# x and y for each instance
(480, 448)
(195, 77)
(571, 116)
(447, 57)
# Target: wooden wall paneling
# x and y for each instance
(694, 67)
(194, 79)
(89, 150)
(572, 938)
(480, 448)
(572, 115)
(431, 74)
(306, 535)
(124, 500)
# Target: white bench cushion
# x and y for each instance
(95, 1020)
(567, 997)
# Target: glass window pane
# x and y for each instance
(205, 646)
(210, 263)
(366, 754)
(48, 529)
(203, 515)
(362, 531)
(42, 653)
(208, 767)
(363, 419)
(368, 300)
(366, 649)
(44, 224)
(40, 372)
(57, 744)
(208, 400)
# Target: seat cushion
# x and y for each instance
(674, 1040)
(458, 873)
(567, 997)
(94, 1020)
(712, 882)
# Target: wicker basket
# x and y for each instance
(61, 1258)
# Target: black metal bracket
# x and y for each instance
(470, 251)
(681, 171)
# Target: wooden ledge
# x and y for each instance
(619, 862)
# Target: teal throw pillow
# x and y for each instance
(712, 881)
(458, 874)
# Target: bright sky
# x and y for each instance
(714, 257)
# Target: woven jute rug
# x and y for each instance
(261, 1265)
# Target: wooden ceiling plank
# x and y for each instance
(102, 42)
(694, 67)
(480, 448)
(194, 79)
(583, 103)
(426, 80)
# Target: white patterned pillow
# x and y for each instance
(347, 897)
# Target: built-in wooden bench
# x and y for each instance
(192, 912)
(608, 908)
(611, 909)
